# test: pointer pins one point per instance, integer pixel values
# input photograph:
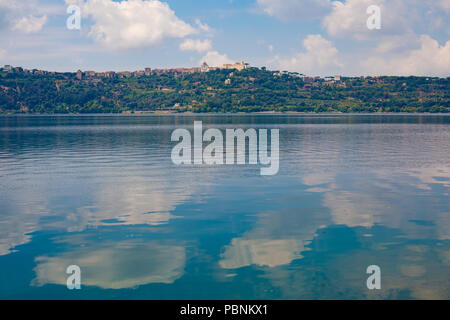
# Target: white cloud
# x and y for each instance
(2, 53)
(399, 49)
(24, 16)
(214, 59)
(398, 43)
(398, 17)
(133, 23)
(295, 9)
(30, 24)
(349, 18)
(204, 27)
(319, 58)
(196, 45)
(431, 59)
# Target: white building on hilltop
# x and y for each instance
(237, 65)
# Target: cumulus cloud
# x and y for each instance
(133, 23)
(430, 59)
(204, 27)
(215, 59)
(399, 49)
(22, 16)
(349, 18)
(397, 44)
(319, 58)
(296, 9)
(398, 17)
(30, 24)
(196, 45)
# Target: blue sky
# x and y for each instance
(315, 37)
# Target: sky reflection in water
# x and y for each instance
(101, 192)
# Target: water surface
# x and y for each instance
(101, 192)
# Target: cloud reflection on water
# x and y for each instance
(115, 265)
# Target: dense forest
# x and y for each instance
(249, 90)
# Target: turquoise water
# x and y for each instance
(101, 192)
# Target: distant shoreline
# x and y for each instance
(225, 91)
(150, 113)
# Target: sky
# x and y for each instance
(313, 37)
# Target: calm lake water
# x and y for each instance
(101, 192)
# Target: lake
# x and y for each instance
(102, 193)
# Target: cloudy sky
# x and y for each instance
(314, 37)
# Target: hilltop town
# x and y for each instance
(234, 87)
(128, 74)
(176, 72)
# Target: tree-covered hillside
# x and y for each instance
(249, 90)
